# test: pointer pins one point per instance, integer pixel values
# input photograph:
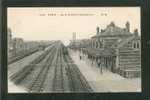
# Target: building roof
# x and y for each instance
(18, 39)
(124, 41)
(121, 37)
(113, 30)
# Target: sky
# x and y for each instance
(59, 23)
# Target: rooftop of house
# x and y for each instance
(113, 30)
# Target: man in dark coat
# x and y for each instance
(100, 66)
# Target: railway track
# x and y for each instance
(37, 85)
(24, 72)
(14, 59)
(65, 77)
(58, 76)
(77, 82)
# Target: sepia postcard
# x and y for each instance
(74, 49)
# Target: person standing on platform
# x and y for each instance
(80, 57)
(100, 66)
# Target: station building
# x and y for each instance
(117, 48)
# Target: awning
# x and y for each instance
(101, 52)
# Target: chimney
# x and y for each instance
(136, 32)
(74, 37)
(112, 24)
(128, 26)
(97, 30)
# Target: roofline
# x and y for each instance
(111, 35)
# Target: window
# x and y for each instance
(96, 44)
(134, 45)
(101, 44)
(92, 44)
(138, 45)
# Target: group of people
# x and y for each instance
(98, 63)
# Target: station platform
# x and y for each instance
(106, 82)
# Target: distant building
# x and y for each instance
(74, 37)
(74, 42)
(18, 44)
(9, 42)
(79, 43)
(9, 39)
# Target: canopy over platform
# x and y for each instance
(100, 52)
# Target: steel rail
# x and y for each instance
(37, 85)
